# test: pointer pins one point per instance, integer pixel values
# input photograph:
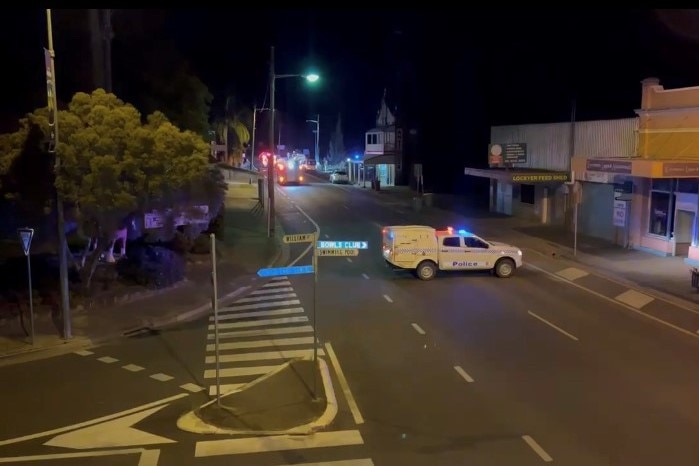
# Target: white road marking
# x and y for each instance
(149, 458)
(269, 285)
(537, 448)
(418, 329)
(365, 276)
(277, 443)
(239, 371)
(634, 299)
(246, 315)
(261, 323)
(262, 343)
(132, 368)
(83, 353)
(262, 356)
(348, 259)
(191, 387)
(272, 290)
(92, 421)
(107, 359)
(326, 235)
(225, 388)
(82, 454)
(463, 374)
(387, 298)
(262, 333)
(572, 273)
(257, 299)
(248, 307)
(114, 433)
(630, 308)
(358, 462)
(160, 377)
(572, 337)
(351, 402)
(279, 278)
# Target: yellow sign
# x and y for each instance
(302, 238)
(338, 252)
(540, 177)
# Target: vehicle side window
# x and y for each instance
(475, 243)
(452, 242)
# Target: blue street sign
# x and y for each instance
(343, 245)
(279, 271)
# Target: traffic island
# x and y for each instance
(281, 402)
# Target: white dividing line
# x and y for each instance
(240, 371)
(160, 377)
(225, 388)
(366, 277)
(619, 303)
(553, 326)
(107, 359)
(245, 315)
(272, 290)
(83, 353)
(418, 329)
(262, 343)
(262, 333)
(264, 356)
(277, 443)
(132, 368)
(348, 259)
(261, 323)
(358, 419)
(257, 299)
(387, 298)
(91, 422)
(537, 448)
(463, 374)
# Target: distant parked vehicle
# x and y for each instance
(339, 176)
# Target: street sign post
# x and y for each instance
(280, 271)
(214, 306)
(25, 236)
(301, 238)
(338, 252)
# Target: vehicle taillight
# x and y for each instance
(281, 178)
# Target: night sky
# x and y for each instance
(453, 74)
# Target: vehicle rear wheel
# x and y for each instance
(505, 267)
(426, 270)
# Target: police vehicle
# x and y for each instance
(427, 250)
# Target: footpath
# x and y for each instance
(243, 250)
(668, 278)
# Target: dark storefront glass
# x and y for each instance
(659, 210)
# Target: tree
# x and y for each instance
(336, 149)
(115, 167)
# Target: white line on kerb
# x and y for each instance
(463, 374)
(572, 337)
(537, 448)
(366, 277)
(387, 298)
(358, 419)
(418, 329)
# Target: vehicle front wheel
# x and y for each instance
(426, 270)
(504, 268)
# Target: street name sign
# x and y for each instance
(279, 271)
(338, 252)
(301, 238)
(343, 245)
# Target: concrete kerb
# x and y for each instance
(190, 422)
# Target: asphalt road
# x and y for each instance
(548, 366)
(516, 371)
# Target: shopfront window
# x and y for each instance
(659, 213)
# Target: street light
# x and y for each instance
(317, 131)
(311, 78)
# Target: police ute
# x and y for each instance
(426, 250)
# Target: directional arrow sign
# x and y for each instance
(302, 238)
(279, 271)
(338, 252)
(343, 245)
(115, 433)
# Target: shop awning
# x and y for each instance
(519, 175)
(380, 159)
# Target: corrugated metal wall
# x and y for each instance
(548, 145)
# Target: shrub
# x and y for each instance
(152, 266)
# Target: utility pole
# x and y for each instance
(60, 220)
(107, 38)
(270, 162)
(254, 125)
(317, 139)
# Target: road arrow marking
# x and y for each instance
(116, 433)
